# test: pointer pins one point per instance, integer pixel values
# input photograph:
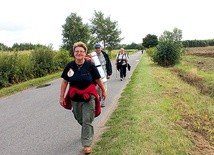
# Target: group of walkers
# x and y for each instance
(86, 78)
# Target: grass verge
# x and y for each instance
(25, 85)
(150, 113)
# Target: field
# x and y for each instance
(201, 51)
(197, 69)
(165, 110)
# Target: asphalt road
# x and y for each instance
(33, 123)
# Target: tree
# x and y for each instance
(169, 48)
(133, 46)
(3, 47)
(150, 41)
(74, 30)
(104, 30)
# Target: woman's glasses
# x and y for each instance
(79, 51)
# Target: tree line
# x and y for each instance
(29, 47)
(21, 47)
(168, 48)
(152, 40)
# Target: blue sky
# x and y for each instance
(40, 21)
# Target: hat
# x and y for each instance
(97, 45)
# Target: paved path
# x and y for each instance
(33, 123)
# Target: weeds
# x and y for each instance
(193, 79)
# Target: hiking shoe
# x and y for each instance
(87, 150)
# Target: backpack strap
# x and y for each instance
(89, 65)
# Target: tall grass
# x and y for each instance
(146, 119)
(17, 67)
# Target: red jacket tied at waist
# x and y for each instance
(90, 90)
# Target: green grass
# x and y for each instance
(22, 86)
(200, 66)
(146, 120)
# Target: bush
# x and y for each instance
(151, 51)
(169, 48)
(167, 54)
(42, 61)
(24, 71)
(61, 59)
(16, 67)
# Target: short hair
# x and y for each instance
(80, 44)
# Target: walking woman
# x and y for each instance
(121, 62)
(82, 96)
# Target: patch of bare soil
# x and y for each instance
(201, 147)
(201, 51)
(196, 81)
(198, 126)
(204, 64)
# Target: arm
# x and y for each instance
(62, 91)
(100, 84)
(116, 59)
(108, 66)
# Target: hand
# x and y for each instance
(62, 101)
(104, 94)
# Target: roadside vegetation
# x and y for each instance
(17, 67)
(17, 71)
(160, 113)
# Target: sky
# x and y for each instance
(40, 21)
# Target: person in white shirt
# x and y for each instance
(107, 67)
(121, 62)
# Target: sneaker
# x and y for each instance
(102, 105)
(87, 150)
(121, 79)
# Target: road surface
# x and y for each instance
(33, 123)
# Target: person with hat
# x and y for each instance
(107, 67)
(82, 97)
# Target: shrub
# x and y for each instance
(169, 48)
(167, 54)
(61, 59)
(42, 61)
(151, 51)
